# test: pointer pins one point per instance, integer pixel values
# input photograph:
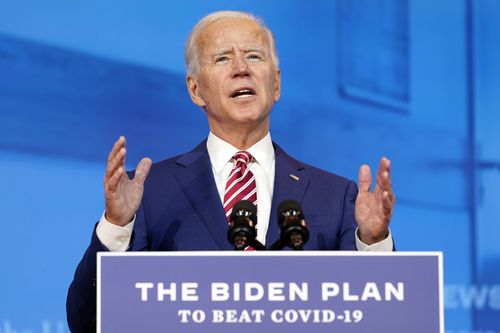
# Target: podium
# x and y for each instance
(270, 292)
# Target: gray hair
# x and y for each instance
(191, 52)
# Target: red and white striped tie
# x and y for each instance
(240, 183)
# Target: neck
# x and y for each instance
(240, 137)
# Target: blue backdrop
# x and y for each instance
(417, 81)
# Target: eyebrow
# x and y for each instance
(245, 50)
(222, 52)
(253, 49)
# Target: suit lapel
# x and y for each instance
(290, 183)
(196, 178)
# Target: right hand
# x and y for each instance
(123, 195)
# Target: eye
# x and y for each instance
(254, 57)
(221, 59)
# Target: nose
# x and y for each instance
(240, 66)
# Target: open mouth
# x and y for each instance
(243, 93)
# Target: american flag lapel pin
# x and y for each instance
(294, 177)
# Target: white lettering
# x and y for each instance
(233, 316)
(494, 302)
(301, 292)
(220, 291)
(392, 291)
(217, 316)
(277, 316)
(275, 290)
(291, 316)
(347, 295)
(303, 315)
(198, 316)
(189, 291)
(371, 291)
(171, 292)
(257, 315)
(328, 290)
(253, 291)
(474, 296)
(470, 296)
(328, 316)
(144, 286)
(8, 329)
(184, 315)
(236, 288)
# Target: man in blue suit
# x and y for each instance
(178, 204)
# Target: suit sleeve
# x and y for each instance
(81, 300)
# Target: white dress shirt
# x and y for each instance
(221, 156)
(221, 153)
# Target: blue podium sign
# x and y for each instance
(269, 292)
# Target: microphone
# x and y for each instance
(242, 232)
(294, 231)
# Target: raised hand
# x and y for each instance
(123, 195)
(374, 209)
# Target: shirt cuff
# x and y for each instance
(385, 245)
(114, 237)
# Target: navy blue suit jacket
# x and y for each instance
(181, 211)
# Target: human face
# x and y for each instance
(237, 83)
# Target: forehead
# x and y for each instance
(232, 33)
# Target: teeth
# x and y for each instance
(242, 93)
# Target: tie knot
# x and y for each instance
(242, 157)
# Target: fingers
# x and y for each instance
(111, 182)
(115, 167)
(142, 170)
(116, 147)
(384, 181)
(383, 167)
(387, 204)
(116, 157)
(364, 178)
(383, 188)
(384, 184)
(116, 164)
(384, 164)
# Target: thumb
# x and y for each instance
(142, 170)
(364, 178)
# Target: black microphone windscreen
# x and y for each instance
(244, 208)
(288, 205)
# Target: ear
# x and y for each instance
(194, 91)
(277, 85)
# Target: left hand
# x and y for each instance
(373, 210)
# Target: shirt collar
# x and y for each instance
(221, 152)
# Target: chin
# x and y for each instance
(255, 119)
